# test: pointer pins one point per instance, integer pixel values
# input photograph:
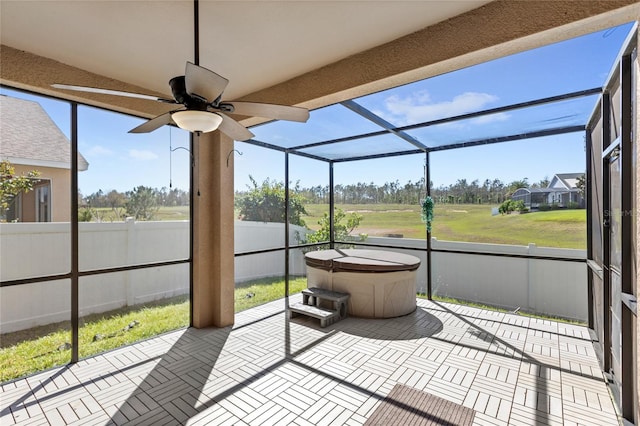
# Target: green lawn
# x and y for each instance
(40, 348)
(31, 351)
(173, 213)
(258, 292)
(467, 222)
(106, 214)
(452, 222)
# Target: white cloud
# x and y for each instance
(143, 155)
(418, 107)
(98, 151)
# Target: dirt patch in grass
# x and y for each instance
(374, 232)
(10, 339)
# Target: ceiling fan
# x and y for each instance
(199, 92)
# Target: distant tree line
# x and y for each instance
(489, 191)
(265, 202)
(112, 199)
(141, 203)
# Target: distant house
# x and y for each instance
(30, 140)
(561, 191)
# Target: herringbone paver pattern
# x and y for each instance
(268, 370)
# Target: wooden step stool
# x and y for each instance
(314, 304)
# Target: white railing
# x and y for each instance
(37, 249)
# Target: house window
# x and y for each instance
(12, 214)
(43, 202)
(32, 206)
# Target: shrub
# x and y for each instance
(544, 207)
(505, 208)
(142, 204)
(519, 205)
(11, 184)
(342, 230)
(265, 203)
(573, 205)
(85, 215)
(510, 206)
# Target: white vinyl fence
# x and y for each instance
(30, 250)
(550, 287)
(38, 249)
(256, 236)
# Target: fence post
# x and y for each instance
(531, 291)
(131, 259)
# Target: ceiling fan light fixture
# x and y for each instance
(197, 121)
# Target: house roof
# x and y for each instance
(532, 190)
(569, 180)
(30, 137)
(542, 190)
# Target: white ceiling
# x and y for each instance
(255, 44)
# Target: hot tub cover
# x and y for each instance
(361, 260)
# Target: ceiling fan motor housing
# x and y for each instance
(179, 91)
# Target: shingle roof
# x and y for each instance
(29, 136)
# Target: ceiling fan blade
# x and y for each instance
(233, 129)
(154, 123)
(278, 112)
(111, 92)
(204, 83)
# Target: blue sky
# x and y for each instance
(121, 161)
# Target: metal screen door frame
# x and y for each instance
(612, 139)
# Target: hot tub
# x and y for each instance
(382, 284)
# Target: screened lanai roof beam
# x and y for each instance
(505, 108)
(265, 145)
(374, 156)
(519, 136)
(551, 99)
(283, 149)
(528, 135)
(313, 157)
(369, 115)
(338, 140)
(400, 131)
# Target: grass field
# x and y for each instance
(452, 222)
(467, 222)
(40, 348)
(106, 214)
